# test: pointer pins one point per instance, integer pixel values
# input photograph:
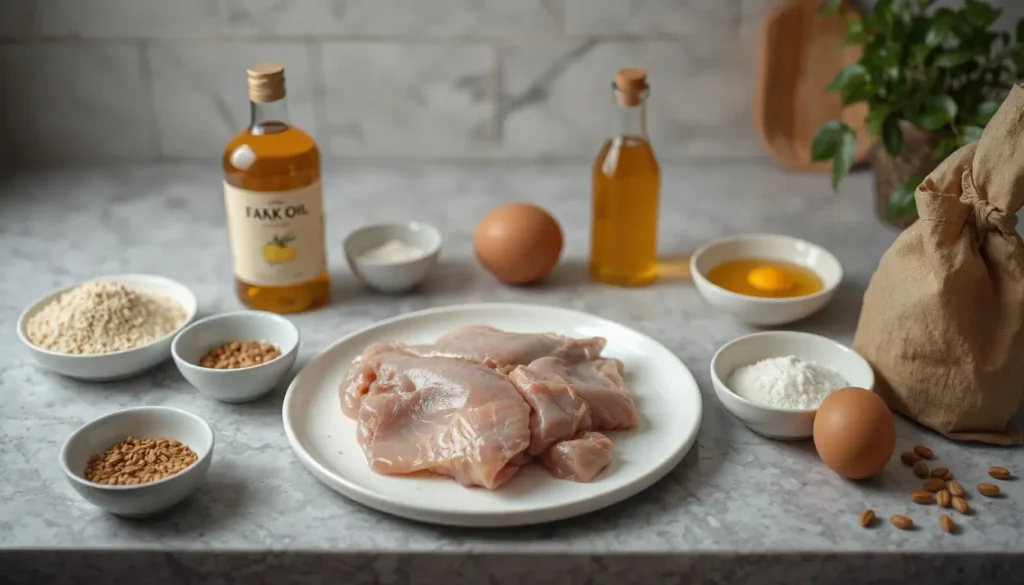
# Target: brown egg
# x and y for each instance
(854, 433)
(518, 243)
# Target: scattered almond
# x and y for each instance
(922, 497)
(947, 523)
(921, 469)
(902, 522)
(960, 505)
(956, 489)
(923, 452)
(867, 518)
(999, 472)
(989, 490)
(943, 498)
(933, 484)
(939, 472)
(909, 458)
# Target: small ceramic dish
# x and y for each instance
(777, 423)
(144, 422)
(393, 276)
(118, 364)
(759, 310)
(241, 384)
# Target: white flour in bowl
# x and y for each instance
(785, 382)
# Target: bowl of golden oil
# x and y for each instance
(766, 279)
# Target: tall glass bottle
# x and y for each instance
(626, 182)
(274, 204)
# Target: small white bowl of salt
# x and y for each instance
(393, 257)
(773, 381)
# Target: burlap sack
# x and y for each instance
(943, 316)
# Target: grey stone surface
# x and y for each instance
(738, 509)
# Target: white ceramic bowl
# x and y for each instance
(144, 422)
(766, 311)
(120, 364)
(242, 384)
(776, 423)
(393, 276)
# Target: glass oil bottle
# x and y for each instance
(274, 204)
(626, 183)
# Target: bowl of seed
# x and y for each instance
(237, 357)
(138, 461)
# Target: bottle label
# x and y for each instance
(277, 238)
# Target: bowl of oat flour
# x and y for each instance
(773, 381)
(107, 328)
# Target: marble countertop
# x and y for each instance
(739, 508)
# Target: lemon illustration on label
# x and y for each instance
(279, 250)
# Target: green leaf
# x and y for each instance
(1020, 31)
(949, 59)
(843, 158)
(855, 31)
(946, 147)
(971, 134)
(981, 14)
(851, 74)
(941, 26)
(939, 110)
(827, 140)
(901, 201)
(892, 136)
(829, 8)
(985, 112)
(876, 116)
(883, 15)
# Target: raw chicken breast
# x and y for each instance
(503, 350)
(598, 382)
(445, 415)
(557, 413)
(579, 459)
(363, 375)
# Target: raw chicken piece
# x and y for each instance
(557, 413)
(445, 415)
(503, 350)
(364, 373)
(599, 383)
(579, 459)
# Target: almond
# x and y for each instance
(922, 497)
(867, 518)
(956, 489)
(923, 452)
(909, 458)
(960, 505)
(939, 472)
(999, 472)
(947, 523)
(989, 490)
(943, 498)
(902, 522)
(933, 484)
(921, 469)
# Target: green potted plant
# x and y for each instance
(931, 79)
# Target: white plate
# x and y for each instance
(667, 398)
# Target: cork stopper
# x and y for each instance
(631, 83)
(266, 82)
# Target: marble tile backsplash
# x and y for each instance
(376, 79)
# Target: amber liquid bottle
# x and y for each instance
(274, 204)
(626, 182)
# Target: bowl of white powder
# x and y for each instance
(107, 328)
(774, 381)
(393, 257)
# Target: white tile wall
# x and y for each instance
(200, 97)
(700, 18)
(120, 19)
(72, 101)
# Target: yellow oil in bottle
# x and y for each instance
(274, 205)
(626, 186)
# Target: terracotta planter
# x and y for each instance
(916, 158)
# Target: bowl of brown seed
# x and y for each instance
(138, 461)
(237, 357)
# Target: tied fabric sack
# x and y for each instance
(943, 317)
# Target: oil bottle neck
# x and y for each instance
(268, 117)
(629, 114)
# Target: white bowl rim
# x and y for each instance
(815, 336)
(410, 225)
(23, 318)
(248, 313)
(825, 290)
(117, 488)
